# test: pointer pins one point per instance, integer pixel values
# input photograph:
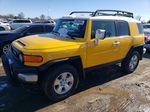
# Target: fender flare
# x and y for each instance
(75, 61)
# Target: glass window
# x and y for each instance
(36, 29)
(123, 28)
(146, 26)
(140, 28)
(70, 27)
(48, 28)
(21, 29)
(108, 26)
(21, 21)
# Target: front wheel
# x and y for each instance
(61, 82)
(131, 62)
(6, 48)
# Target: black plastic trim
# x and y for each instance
(102, 65)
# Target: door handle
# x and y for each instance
(116, 43)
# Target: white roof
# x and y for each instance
(127, 19)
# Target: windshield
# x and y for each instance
(146, 26)
(70, 27)
(21, 29)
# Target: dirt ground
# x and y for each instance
(105, 90)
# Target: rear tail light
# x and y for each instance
(146, 38)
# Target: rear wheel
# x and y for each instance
(131, 62)
(2, 29)
(60, 82)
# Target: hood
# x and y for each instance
(6, 33)
(44, 41)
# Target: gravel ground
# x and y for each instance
(105, 90)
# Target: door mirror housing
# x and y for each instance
(100, 34)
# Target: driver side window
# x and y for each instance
(108, 26)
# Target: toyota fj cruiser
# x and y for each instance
(78, 44)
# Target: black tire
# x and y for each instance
(125, 65)
(2, 29)
(11, 77)
(6, 47)
(50, 77)
(2, 48)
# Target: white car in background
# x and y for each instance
(146, 26)
(4, 26)
(14, 24)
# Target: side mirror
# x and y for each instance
(100, 34)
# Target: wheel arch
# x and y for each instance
(138, 48)
(74, 61)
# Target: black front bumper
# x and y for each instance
(13, 67)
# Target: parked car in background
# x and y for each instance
(14, 24)
(146, 26)
(4, 26)
(147, 38)
(52, 22)
(6, 37)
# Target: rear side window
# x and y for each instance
(36, 29)
(22, 21)
(146, 26)
(49, 28)
(140, 28)
(122, 28)
(108, 26)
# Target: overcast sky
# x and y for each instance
(58, 8)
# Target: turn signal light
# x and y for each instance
(33, 59)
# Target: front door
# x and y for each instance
(108, 49)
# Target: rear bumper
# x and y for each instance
(16, 70)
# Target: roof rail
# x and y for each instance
(112, 13)
(91, 13)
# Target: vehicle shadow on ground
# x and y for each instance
(27, 100)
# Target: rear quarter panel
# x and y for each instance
(138, 39)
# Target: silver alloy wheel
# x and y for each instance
(6, 48)
(133, 62)
(63, 83)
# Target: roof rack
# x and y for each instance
(74, 12)
(112, 13)
(106, 13)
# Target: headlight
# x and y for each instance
(21, 58)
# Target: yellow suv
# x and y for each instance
(78, 44)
